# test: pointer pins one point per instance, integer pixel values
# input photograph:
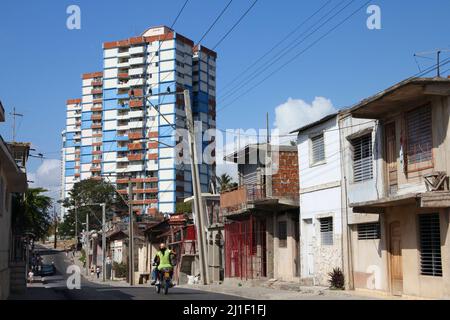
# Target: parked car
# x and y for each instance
(47, 270)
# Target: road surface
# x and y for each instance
(55, 288)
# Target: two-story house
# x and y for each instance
(321, 223)
(410, 249)
(261, 215)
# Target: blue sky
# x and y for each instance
(42, 61)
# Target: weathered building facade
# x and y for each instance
(261, 215)
(411, 165)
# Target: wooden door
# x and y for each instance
(395, 257)
(391, 157)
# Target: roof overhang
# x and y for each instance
(408, 93)
(15, 177)
(434, 199)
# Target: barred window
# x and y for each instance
(419, 137)
(326, 230)
(369, 231)
(430, 245)
(317, 149)
(362, 158)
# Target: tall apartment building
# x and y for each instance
(124, 125)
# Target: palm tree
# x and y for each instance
(225, 182)
(31, 212)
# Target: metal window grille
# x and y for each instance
(317, 148)
(430, 245)
(362, 158)
(326, 230)
(369, 231)
(282, 234)
(419, 138)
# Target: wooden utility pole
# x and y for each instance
(198, 203)
(104, 241)
(55, 221)
(130, 235)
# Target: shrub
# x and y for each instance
(336, 279)
(120, 269)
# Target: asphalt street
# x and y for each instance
(55, 287)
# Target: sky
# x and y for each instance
(42, 60)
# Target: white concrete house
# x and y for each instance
(321, 240)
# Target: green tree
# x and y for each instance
(225, 182)
(31, 213)
(82, 196)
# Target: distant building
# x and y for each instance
(115, 132)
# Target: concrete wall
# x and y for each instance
(285, 258)
(5, 237)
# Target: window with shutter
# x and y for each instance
(317, 149)
(369, 231)
(430, 245)
(362, 158)
(419, 139)
(326, 231)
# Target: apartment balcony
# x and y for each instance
(123, 76)
(98, 100)
(122, 138)
(96, 126)
(146, 190)
(97, 152)
(97, 108)
(125, 64)
(78, 123)
(135, 157)
(136, 61)
(96, 169)
(135, 124)
(122, 127)
(123, 54)
(152, 145)
(135, 146)
(136, 50)
(136, 71)
(96, 83)
(122, 159)
(122, 96)
(135, 167)
(137, 180)
(96, 117)
(97, 161)
(122, 148)
(136, 103)
(122, 169)
(152, 156)
(96, 91)
(253, 197)
(146, 201)
(136, 93)
(135, 135)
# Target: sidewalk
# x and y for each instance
(278, 290)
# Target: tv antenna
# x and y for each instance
(14, 115)
(426, 55)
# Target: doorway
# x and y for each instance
(395, 258)
(308, 270)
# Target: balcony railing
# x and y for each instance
(239, 198)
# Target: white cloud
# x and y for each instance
(295, 113)
(47, 176)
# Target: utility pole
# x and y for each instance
(14, 114)
(104, 240)
(438, 58)
(87, 244)
(198, 203)
(130, 235)
(76, 227)
(55, 221)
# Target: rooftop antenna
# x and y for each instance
(437, 52)
(14, 114)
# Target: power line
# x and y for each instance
(276, 45)
(297, 55)
(215, 21)
(287, 49)
(235, 25)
